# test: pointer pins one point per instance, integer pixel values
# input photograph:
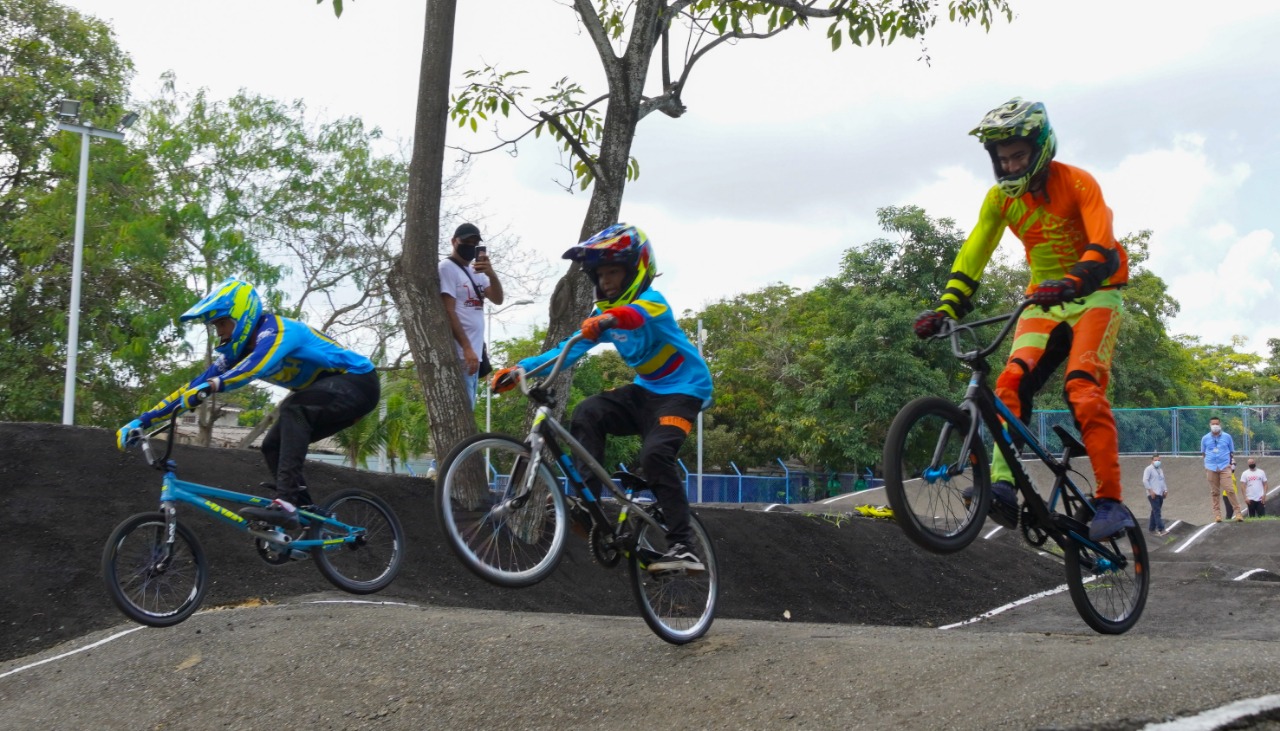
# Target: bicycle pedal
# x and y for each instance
(298, 554)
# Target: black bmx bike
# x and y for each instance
(938, 481)
(506, 507)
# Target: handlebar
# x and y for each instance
(556, 366)
(952, 329)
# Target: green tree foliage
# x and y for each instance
(48, 52)
(596, 129)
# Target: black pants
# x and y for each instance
(663, 422)
(320, 410)
(1257, 509)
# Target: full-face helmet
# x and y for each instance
(619, 244)
(1018, 120)
(234, 299)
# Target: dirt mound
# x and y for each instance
(63, 489)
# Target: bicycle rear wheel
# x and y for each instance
(678, 606)
(502, 533)
(370, 562)
(1110, 595)
(147, 587)
(939, 495)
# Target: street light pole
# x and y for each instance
(71, 111)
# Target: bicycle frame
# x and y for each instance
(984, 407)
(546, 432)
(174, 491)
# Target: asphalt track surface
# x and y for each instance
(443, 650)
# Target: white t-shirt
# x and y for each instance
(1253, 481)
(467, 302)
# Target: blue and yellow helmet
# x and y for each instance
(619, 244)
(234, 299)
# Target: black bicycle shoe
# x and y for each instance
(678, 557)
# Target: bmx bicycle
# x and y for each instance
(938, 482)
(506, 516)
(156, 570)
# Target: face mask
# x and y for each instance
(1216, 429)
(467, 252)
(1155, 463)
(1253, 466)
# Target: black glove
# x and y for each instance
(929, 323)
(1054, 292)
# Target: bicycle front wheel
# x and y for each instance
(152, 583)
(1109, 594)
(939, 491)
(371, 561)
(507, 529)
(678, 606)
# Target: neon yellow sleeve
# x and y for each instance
(974, 254)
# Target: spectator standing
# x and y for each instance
(1255, 489)
(467, 279)
(1219, 451)
(1153, 481)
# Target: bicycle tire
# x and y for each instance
(931, 508)
(678, 606)
(1110, 599)
(147, 596)
(504, 545)
(370, 563)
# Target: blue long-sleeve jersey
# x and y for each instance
(285, 352)
(663, 358)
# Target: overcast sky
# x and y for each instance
(788, 149)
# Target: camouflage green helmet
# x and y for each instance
(1018, 120)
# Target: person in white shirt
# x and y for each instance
(1255, 489)
(1153, 481)
(467, 279)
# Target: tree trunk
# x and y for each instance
(574, 296)
(415, 278)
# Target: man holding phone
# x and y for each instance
(467, 279)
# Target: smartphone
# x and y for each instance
(482, 252)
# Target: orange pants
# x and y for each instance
(1084, 336)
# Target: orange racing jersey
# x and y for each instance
(1065, 228)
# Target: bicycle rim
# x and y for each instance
(939, 496)
(678, 606)
(370, 562)
(148, 591)
(501, 533)
(1110, 597)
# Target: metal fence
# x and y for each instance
(1178, 430)
(1172, 431)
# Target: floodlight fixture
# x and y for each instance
(69, 109)
(127, 120)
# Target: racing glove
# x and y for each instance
(593, 327)
(1054, 292)
(929, 323)
(125, 435)
(505, 379)
(193, 397)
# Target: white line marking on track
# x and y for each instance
(1007, 607)
(998, 528)
(1247, 574)
(1216, 718)
(118, 635)
(1172, 526)
(1193, 538)
(103, 641)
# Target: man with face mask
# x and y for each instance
(467, 279)
(1219, 451)
(1153, 480)
(1255, 489)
